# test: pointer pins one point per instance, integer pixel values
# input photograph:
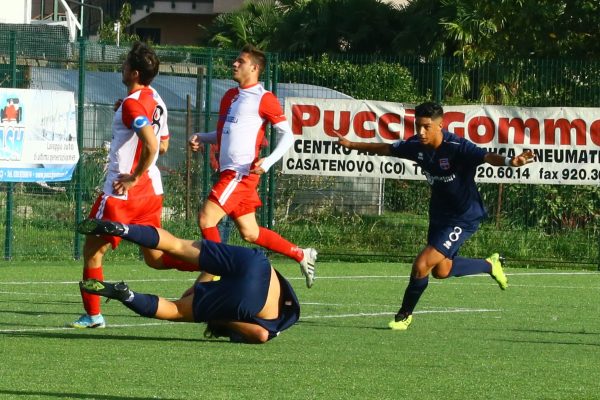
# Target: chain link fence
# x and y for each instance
(356, 219)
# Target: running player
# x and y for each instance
(251, 303)
(132, 191)
(455, 208)
(243, 115)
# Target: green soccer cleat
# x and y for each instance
(92, 226)
(497, 273)
(400, 322)
(118, 291)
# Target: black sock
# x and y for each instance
(469, 266)
(144, 235)
(145, 305)
(414, 290)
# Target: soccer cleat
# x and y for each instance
(93, 226)
(88, 321)
(400, 322)
(119, 291)
(307, 265)
(497, 273)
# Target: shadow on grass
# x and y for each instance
(95, 336)
(45, 302)
(28, 393)
(579, 332)
(36, 313)
(328, 324)
(553, 342)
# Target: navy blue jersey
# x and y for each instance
(450, 170)
(242, 291)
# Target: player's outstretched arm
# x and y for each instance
(383, 149)
(498, 160)
(196, 139)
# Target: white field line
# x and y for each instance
(346, 277)
(163, 323)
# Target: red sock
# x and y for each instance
(174, 263)
(273, 241)
(211, 233)
(91, 302)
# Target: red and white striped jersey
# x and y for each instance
(126, 148)
(243, 117)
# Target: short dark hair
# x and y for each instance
(429, 109)
(143, 59)
(218, 329)
(258, 56)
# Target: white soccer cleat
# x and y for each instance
(307, 265)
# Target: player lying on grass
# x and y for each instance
(455, 207)
(251, 303)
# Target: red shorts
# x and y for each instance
(236, 194)
(143, 210)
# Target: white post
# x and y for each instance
(118, 30)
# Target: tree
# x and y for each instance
(346, 26)
(483, 30)
(255, 23)
(107, 33)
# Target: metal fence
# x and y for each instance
(353, 219)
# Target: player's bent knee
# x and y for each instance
(440, 274)
(249, 237)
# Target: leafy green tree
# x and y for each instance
(107, 33)
(345, 26)
(482, 30)
(256, 22)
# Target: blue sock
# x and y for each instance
(414, 290)
(469, 266)
(144, 235)
(143, 304)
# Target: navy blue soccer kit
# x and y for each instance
(455, 206)
(242, 290)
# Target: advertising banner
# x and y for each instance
(566, 141)
(38, 135)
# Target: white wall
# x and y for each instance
(19, 12)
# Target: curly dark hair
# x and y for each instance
(143, 59)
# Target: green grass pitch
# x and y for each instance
(540, 339)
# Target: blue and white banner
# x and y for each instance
(38, 135)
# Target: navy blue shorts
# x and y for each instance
(448, 239)
(242, 290)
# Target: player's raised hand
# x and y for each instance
(194, 142)
(525, 157)
(343, 141)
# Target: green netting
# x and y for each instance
(354, 219)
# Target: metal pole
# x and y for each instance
(188, 158)
(271, 203)
(439, 80)
(207, 111)
(81, 8)
(80, 171)
(264, 192)
(55, 11)
(10, 187)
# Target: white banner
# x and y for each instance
(566, 141)
(38, 135)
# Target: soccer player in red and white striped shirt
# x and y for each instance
(244, 114)
(132, 191)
